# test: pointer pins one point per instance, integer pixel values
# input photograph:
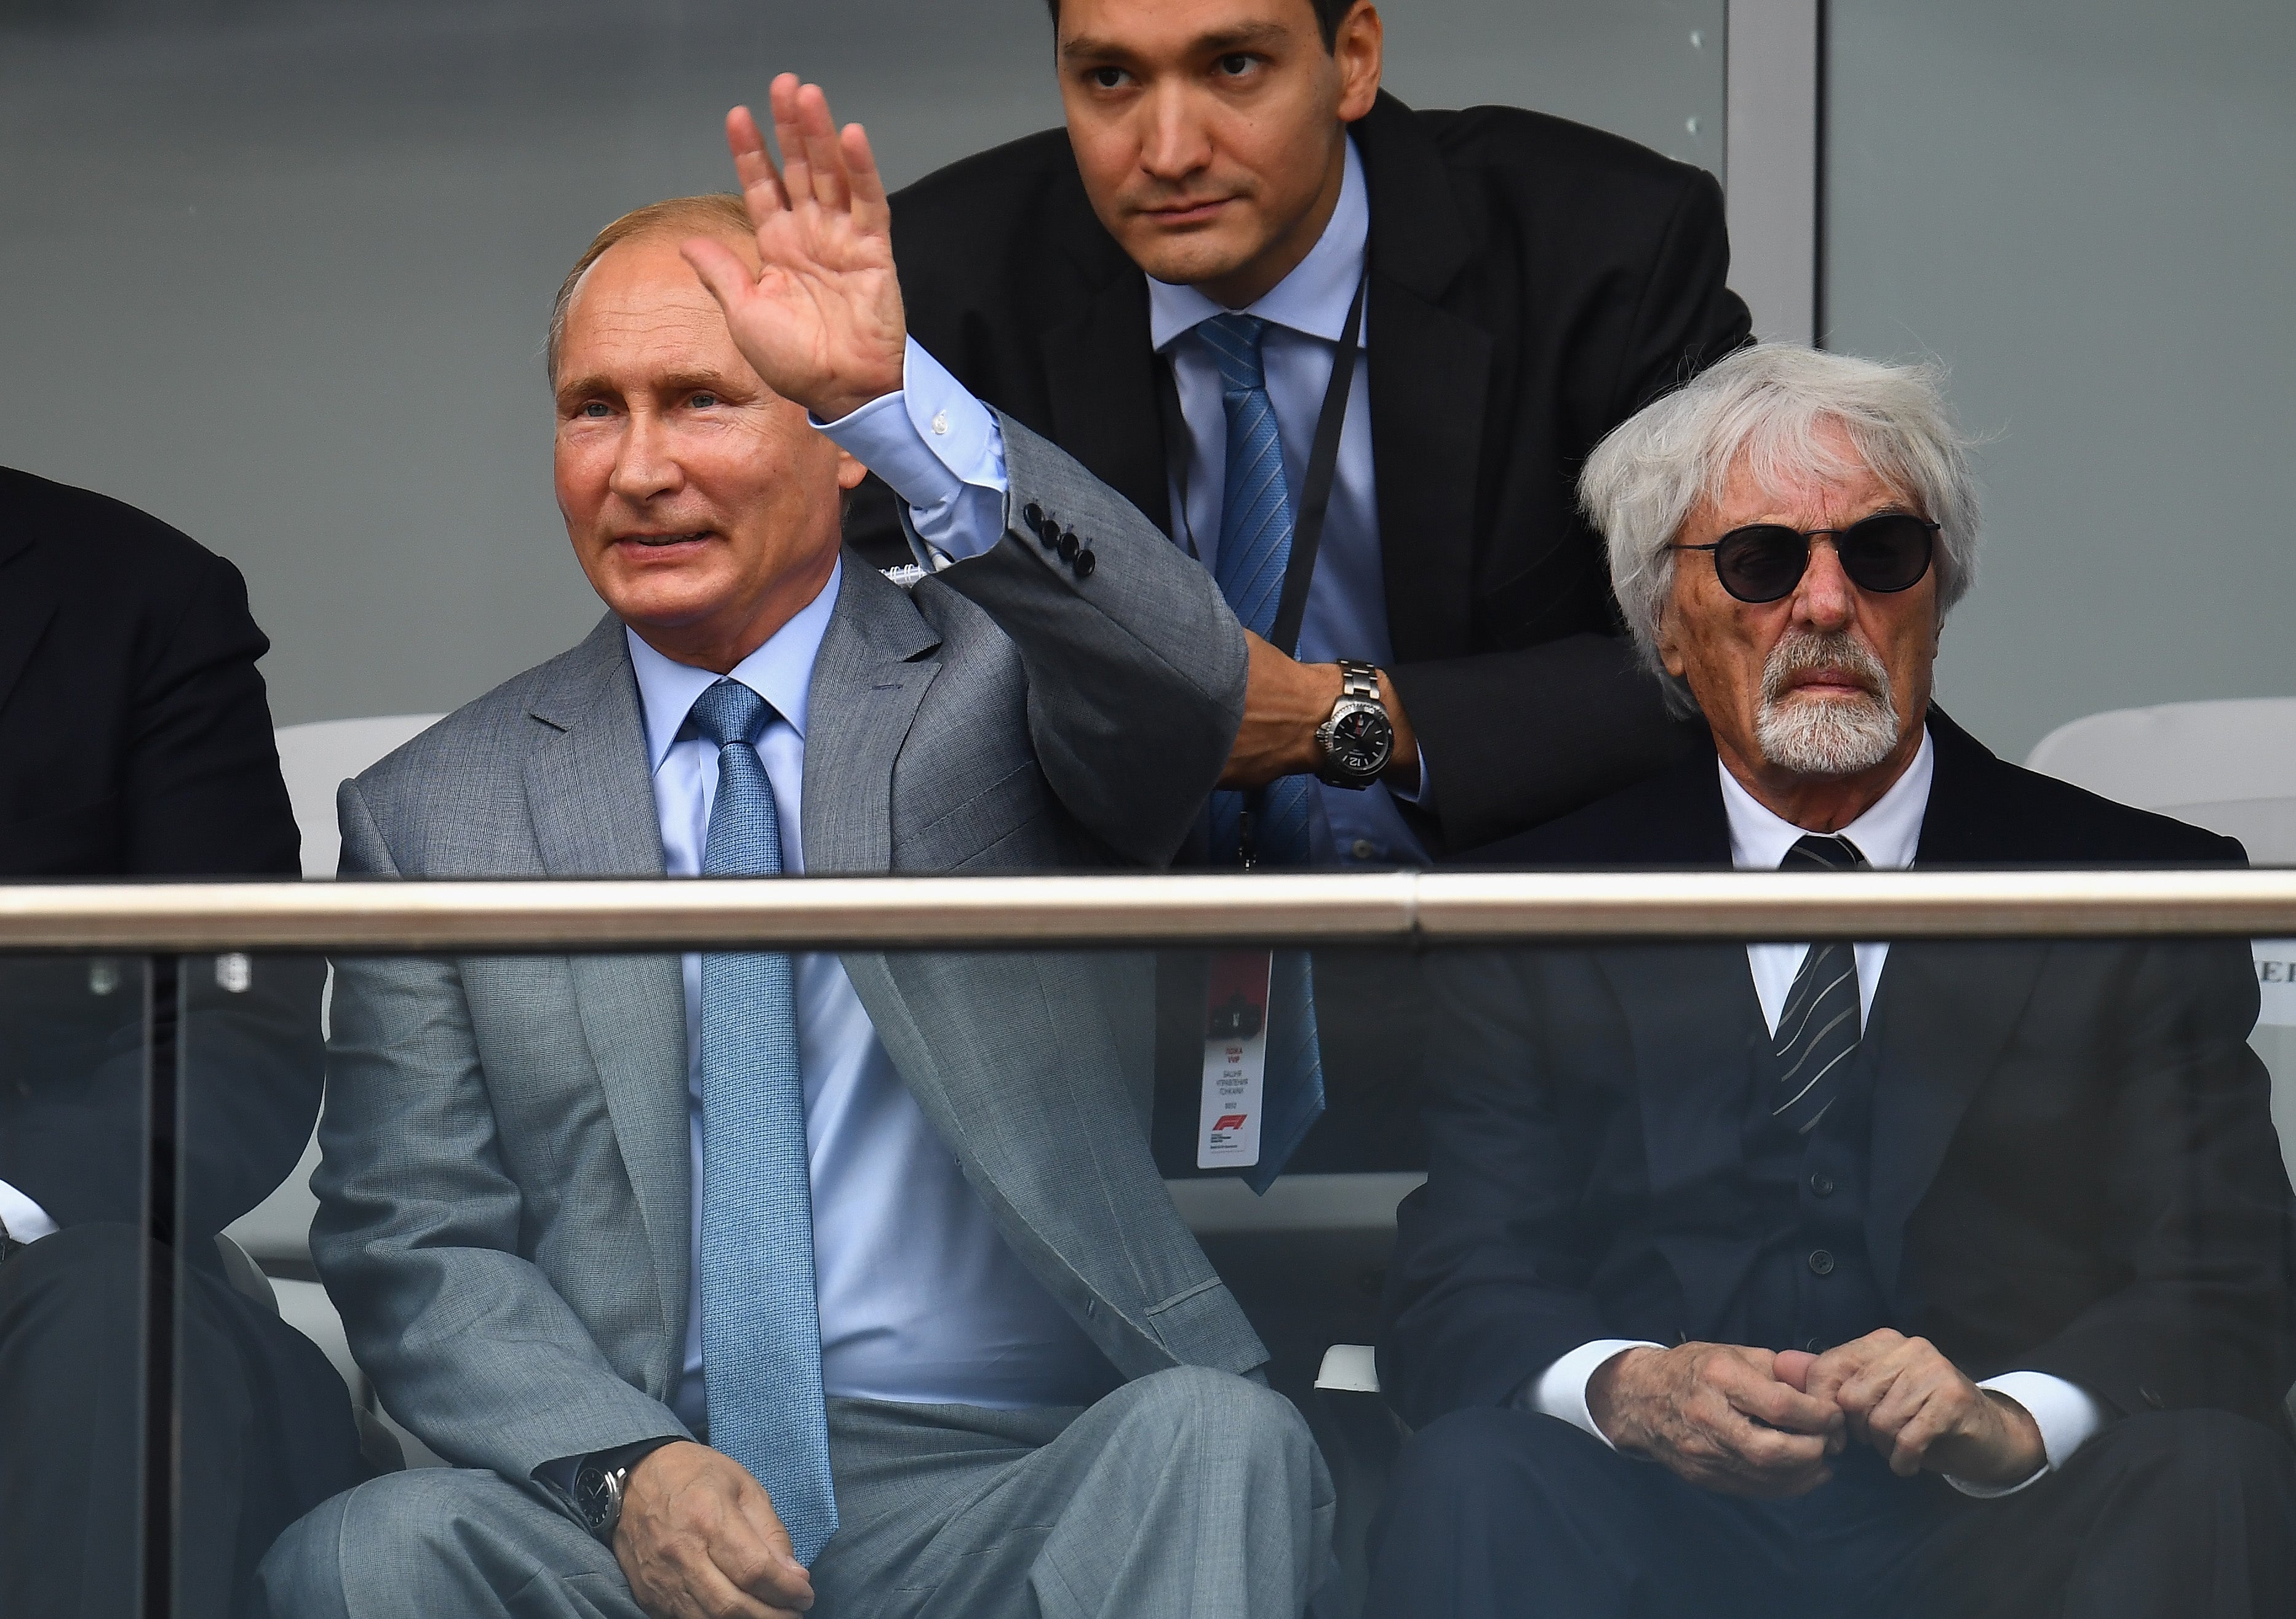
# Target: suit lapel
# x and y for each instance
(868, 679)
(1942, 1016)
(1430, 382)
(1696, 1028)
(1944, 1011)
(591, 800)
(27, 601)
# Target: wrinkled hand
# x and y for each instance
(1717, 1416)
(1284, 700)
(820, 320)
(1916, 1408)
(699, 1540)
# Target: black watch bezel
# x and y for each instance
(1358, 695)
(598, 1498)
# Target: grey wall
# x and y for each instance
(2087, 209)
(277, 269)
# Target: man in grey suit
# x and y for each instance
(884, 1229)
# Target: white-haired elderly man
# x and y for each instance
(1798, 1279)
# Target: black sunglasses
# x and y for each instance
(1886, 553)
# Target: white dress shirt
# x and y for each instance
(23, 1220)
(939, 449)
(921, 1299)
(1887, 835)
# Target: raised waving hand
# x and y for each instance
(820, 317)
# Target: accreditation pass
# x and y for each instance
(1235, 1060)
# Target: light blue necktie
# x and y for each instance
(1255, 549)
(760, 1322)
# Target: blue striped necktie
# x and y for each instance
(1819, 1026)
(760, 1322)
(1255, 549)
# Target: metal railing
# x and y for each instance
(1388, 909)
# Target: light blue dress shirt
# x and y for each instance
(939, 449)
(921, 1299)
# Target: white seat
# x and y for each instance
(2229, 766)
(318, 758)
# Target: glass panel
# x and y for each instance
(2039, 1157)
(74, 1284)
(2085, 209)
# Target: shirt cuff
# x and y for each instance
(24, 1221)
(940, 450)
(2067, 1415)
(1561, 1390)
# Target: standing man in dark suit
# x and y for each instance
(1165, 288)
(136, 741)
(1949, 1278)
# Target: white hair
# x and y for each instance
(1764, 405)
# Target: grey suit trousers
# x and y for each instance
(1187, 1493)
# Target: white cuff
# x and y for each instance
(1561, 1390)
(940, 450)
(23, 1220)
(2067, 1415)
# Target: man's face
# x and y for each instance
(703, 507)
(1831, 681)
(1208, 132)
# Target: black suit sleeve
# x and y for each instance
(1517, 737)
(202, 793)
(142, 699)
(1489, 1281)
(2194, 1222)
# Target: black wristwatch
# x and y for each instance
(1355, 743)
(599, 1483)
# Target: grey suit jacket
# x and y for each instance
(505, 1200)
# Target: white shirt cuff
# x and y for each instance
(24, 1221)
(940, 450)
(1561, 1390)
(2067, 1415)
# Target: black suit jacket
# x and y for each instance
(1533, 283)
(2074, 1169)
(136, 741)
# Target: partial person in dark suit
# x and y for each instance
(1947, 1278)
(1152, 285)
(136, 741)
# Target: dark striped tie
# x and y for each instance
(1820, 1027)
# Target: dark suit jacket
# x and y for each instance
(2074, 1169)
(136, 741)
(1533, 283)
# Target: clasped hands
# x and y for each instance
(700, 1540)
(1751, 1422)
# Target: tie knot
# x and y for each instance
(1824, 851)
(729, 712)
(1234, 342)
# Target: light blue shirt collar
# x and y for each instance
(1313, 298)
(781, 671)
(1887, 835)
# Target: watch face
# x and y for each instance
(596, 1497)
(1361, 740)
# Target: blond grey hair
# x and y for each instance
(1766, 405)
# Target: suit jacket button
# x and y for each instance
(1821, 1185)
(1821, 1261)
(1068, 544)
(1085, 563)
(1033, 515)
(2151, 1398)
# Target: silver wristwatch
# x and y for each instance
(1354, 745)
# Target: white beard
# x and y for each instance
(1819, 736)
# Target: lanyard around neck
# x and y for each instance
(1314, 493)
